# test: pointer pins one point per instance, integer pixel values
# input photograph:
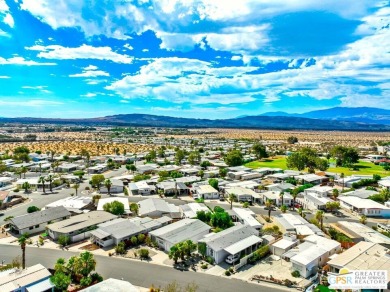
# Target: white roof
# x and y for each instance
(364, 231)
(206, 189)
(247, 216)
(243, 244)
(240, 191)
(71, 202)
(361, 203)
(284, 244)
(384, 182)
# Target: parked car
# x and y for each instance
(231, 259)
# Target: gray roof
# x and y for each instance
(152, 205)
(223, 239)
(82, 221)
(39, 217)
(181, 230)
(120, 228)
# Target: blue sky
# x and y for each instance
(193, 58)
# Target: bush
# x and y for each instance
(210, 260)
(33, 209)
(231, 269)
(141, 238)
(120, 248)
(86, 281)
(144, 253)
(96, 278)
(259, 254)
(227, 273)
(204, 266)
(245, 205)
(134, 240)
(296, 274)
(63, 240)
(16, 190)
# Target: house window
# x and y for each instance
(30, 228)
(37, 226)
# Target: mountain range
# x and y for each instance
(367, 115)
(339, 118)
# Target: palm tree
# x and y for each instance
(342, 176)
(320, 217)
(268, 205)
(23, 242)
(18, 171)
(300, 212)
(294, 195)
(76, 187)
(232, 197)
(281, 195)
(86, 264)
(42, 181)
(108, 185)
(55, 165)
(24, 170)
(50, 179)
(283, 208)
(26, 186)
(335, 193)
(363, 219)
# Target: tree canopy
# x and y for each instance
(234, 158)
(115, 207)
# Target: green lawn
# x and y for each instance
(364, 168)
(279, 162)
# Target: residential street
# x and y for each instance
(138, 273)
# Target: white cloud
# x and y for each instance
(29, 103)
(170, 19)
(90, 71)
(22, 61)
(40, 88)
(3, 33)
(5, 15)
(4, 77)
(127, 46)
(82, 52)
(89, 95)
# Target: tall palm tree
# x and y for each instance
(268, 205)
(335, 193)
(24, 170)
(320, 217)
(342, 176)
(300, 212)
(232, 197)
(281, 195)
(294, 196)
(76, 187)
(42, 181)
(108, 185)
(23, 242)
(50, 179)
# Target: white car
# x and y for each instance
(231, 259)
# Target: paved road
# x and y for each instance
(138, 273)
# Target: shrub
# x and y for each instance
(296, 274)
(120, 248)
(227, 273)
(16, 190)
(141, 238)
(204, 266)
(231, 269)
(134, 240)
(86, 281)
(245, 205)
(210, 260)
(32, 209)
(144, 253)
(96, 278)
(63, 240)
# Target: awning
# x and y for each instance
(243, 244)
(98, 233)
(41, 286)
